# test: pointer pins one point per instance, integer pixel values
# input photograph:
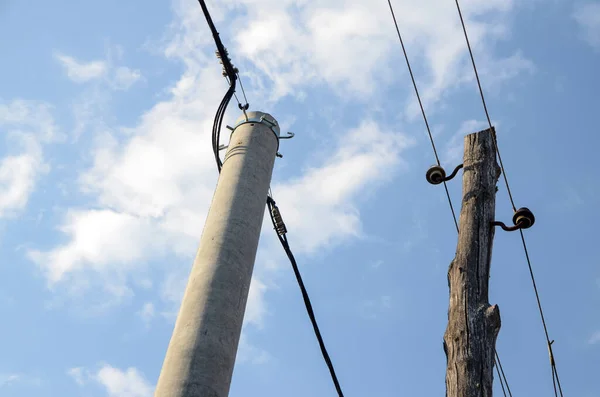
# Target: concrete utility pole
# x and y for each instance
(473, 325)
(201, 354)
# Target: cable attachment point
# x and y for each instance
(551, 354)
(226, 62)
(522, 219)
(277, 219)
(436, 174)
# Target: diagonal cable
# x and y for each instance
(412, 77)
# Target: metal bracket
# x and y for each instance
(522, 219)
(262, 119)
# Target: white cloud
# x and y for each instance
(595, 338)
(81, 72)
(153, 183)
(320, 208)
(18, 175)
(26, 125)
(79, 375)
(116, 382)
(29, 117)
(101, 239)
(147, 312)
(354, 48)
(9, 379)
(587, 15)
(125, 77)
(255, 306)
(128, 383)
(116, 77)
(249, 353)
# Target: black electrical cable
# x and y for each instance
(487, 114)
(218, 122)
(231, 74)
(279, 227)
(539, 303)
(229, 69)
(501, 371)
(501, 381)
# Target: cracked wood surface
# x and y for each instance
(473, 324)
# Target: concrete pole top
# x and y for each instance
(259, 117)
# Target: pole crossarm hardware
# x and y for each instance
(260, 118)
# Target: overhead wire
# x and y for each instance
(281, 231)
(485, 108)
(501, 381)
(500, 370)
(412, 77)
(555, 377)
(231, 73)
(502, 378)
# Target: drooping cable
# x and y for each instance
(230, 73)
(412, 77)
(217, 124)
(281, 231)
(555, 377)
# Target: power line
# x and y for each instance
(501, 382)
(281, 231)
(500, 370)
(412, 77)
(487, 115)
(555, 378)
(231, 74)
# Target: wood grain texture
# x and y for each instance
(473, 324)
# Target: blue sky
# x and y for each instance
(106, 175)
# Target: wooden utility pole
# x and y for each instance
(473, 324)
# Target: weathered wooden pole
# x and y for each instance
(473, 325)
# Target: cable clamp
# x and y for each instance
(278, 223)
